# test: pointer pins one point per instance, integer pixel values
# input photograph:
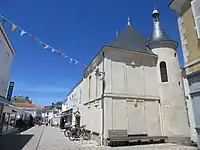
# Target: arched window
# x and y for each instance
(163, 71)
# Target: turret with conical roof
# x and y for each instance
(171, 92)
(159, 37)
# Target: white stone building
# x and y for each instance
(133, 84)
(6, 56)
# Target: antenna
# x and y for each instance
(129, 23)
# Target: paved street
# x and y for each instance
(50, 138)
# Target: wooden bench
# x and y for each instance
(117, 136)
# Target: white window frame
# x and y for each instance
(197, 28)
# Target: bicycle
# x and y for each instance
(77, 132)
(67, 131)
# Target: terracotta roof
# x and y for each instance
(25, 105)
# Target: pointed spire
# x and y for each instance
(158, 33)
(129, 22)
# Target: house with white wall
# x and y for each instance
(134, 84)
(6, 56)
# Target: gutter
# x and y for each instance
(102, 103)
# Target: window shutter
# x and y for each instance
(196, 12)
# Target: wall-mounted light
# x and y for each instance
(132, 63)
(135, 102)
(97, 73)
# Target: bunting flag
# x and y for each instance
(53, 50)
(40, 42)
(13, 27)
(22, 32)
(4, 20)
(32, 37)
(59, 53)
(45, 45)
(70, 60)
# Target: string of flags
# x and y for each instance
(46, 46)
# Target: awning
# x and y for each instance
(67, 113)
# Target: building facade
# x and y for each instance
(6, 56)
(133, 84)
(189, 26)
(24, 104)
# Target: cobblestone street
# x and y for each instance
(50, 138)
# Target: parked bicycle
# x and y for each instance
(67, 130)
(76, 132)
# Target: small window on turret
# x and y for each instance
(163, 71)
(174, 54)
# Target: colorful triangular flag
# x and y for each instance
(59, 53)
(40, 42)
(70, 60)
(53, 50)
(4, 20)
(46, 46)
(32, 37)
(76, 62)
(22, 32)
(13, 27)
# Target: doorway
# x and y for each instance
(77, 118)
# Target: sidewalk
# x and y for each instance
(51, 138)
(10, 130)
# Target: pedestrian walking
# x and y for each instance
(20, 125)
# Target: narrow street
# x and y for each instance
(50, 138)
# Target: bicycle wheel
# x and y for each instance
(66, 133)
(71, 136)
(86, 136)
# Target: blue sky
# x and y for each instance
(77, 28)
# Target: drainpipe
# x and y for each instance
(102, 102)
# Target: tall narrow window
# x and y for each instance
(97, 86)
(90, 87)
(80, 96)
(163, 72)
